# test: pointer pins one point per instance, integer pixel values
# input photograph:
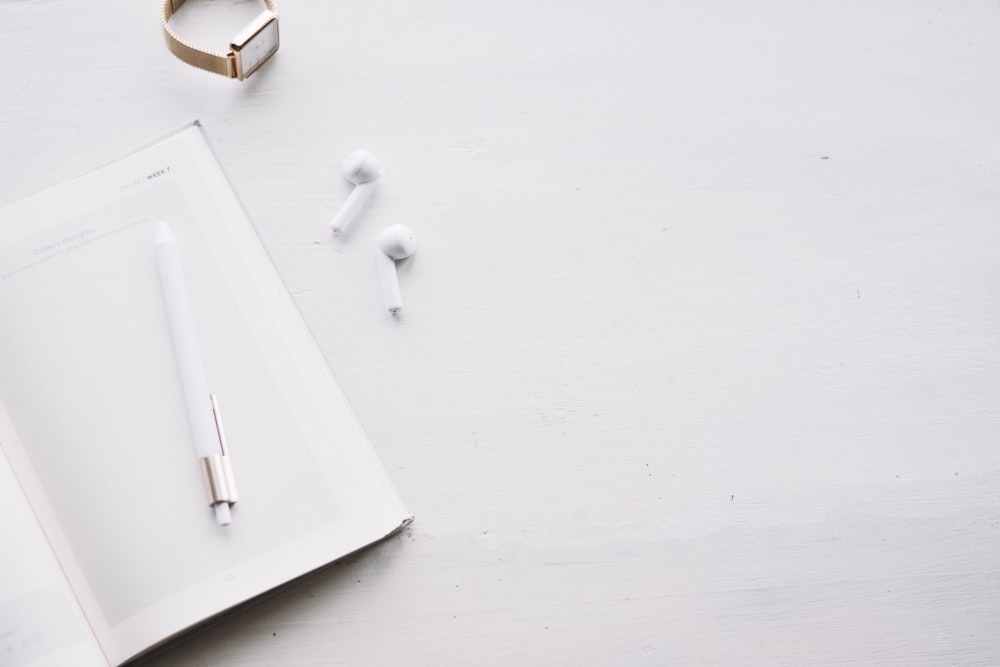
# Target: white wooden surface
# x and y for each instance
(699, 360)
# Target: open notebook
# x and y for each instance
(107, 543)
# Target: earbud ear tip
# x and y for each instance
(361, 167)
(397, 241)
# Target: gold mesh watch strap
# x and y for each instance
(220, 63)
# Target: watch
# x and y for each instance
(247, 51)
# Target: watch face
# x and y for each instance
(252, 51)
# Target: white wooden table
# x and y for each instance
(699, 361)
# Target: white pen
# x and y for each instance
(202, 406)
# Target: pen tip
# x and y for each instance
(222, 514)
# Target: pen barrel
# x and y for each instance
(187, 349)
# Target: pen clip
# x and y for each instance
(216, 415)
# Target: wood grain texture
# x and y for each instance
(699, 358)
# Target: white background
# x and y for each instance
(698, 362)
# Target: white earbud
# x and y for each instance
(363, 170)
(395, 242)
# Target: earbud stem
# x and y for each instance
(355, 202)
(389, 281)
